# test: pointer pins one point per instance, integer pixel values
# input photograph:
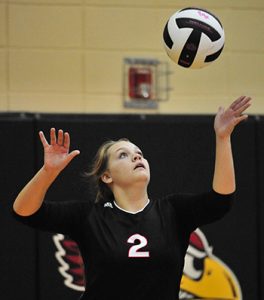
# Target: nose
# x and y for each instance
(136, 157)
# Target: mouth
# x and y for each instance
(139, 165)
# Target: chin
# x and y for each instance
(144, 179)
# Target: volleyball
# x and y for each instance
(193, 38)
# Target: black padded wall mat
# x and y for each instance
(180, 150)
(18, 255)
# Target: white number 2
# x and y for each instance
(134, 250)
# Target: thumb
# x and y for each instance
(241, 118)
(72, 154)
(221, 109)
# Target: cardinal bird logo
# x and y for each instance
(205, 276)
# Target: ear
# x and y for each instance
(106, 178)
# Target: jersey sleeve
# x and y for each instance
(59, 217)
(201, 209)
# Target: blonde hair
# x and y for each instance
(99, 166)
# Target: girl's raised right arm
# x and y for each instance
(56, 158)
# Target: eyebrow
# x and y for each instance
(124, 148)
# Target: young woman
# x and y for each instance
(133, 247)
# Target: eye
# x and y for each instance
(140, 153)
(122, 155)
(193, 267)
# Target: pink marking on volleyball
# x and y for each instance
(203, 14)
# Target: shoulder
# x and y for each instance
(176, 199)
(102, 206)
(174, 203)
(183, 199)
(71, 205)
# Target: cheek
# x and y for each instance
(118, 167)
(147, 164)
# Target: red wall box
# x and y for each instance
(140, 83)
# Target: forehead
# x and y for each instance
(122, 145)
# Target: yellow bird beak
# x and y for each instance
(216, 282)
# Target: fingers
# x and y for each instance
(242, 108)
(239, 106)
(63, 139)
(53, 136)
(43, 139)
(240, 103)
(66, 140)
(60, 137)
(236, 102)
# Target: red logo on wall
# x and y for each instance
(71, 262)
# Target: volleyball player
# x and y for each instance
(133, 247)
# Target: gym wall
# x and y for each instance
(67, 55)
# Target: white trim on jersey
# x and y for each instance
(131, 212)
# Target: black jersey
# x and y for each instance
(131, 256)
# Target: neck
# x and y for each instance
(131, 199)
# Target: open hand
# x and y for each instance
(56, 154)
(227, 119)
